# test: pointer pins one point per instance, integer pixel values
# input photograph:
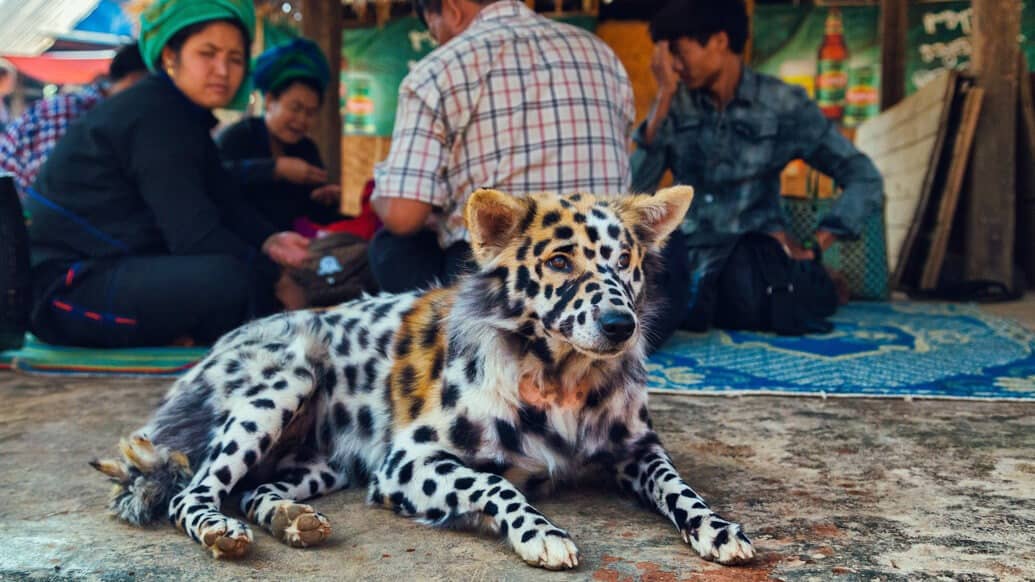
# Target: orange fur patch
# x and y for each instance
(416, 377)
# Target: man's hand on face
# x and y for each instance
(661, 67)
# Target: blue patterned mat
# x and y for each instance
(906, 349)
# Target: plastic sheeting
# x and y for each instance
(28, 27)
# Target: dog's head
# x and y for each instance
(572, 269)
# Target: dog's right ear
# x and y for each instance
(493, 219)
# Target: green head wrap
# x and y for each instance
(165, 18)
(299, 59)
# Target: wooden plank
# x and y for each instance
(990, 213)
(894, 24)
(1024, 244)
(322, 22)
(931, 168)
(951, 193)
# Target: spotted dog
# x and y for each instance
(454, 404)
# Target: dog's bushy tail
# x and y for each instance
(146, 479)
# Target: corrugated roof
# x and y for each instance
(27, 27)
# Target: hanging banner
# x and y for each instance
(787, 41)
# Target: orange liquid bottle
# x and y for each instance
(831, 70)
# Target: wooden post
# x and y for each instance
(992, 188)
(322, 22)
(894, 16)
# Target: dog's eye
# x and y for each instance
(624, 259)
(559, 263)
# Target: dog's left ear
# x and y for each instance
(655, 217)
(493, 219)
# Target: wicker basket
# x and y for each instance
(359, 153)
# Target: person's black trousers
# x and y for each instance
(149, 300)
(405, 263)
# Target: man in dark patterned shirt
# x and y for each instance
(728, 131)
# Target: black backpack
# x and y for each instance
(15, 285)
(761, 288)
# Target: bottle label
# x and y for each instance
(831, 83)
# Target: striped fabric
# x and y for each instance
(517, 102)
(28, 140)
(37, 357)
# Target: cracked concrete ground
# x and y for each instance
(846, 489)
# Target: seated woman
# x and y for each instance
(138, 235)
(279, 168)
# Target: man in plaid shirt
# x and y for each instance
(510, 100)
(28, 140)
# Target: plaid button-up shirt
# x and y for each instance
(517, 102)
(27, 141)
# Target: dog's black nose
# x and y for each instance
(617, 326)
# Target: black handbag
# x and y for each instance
(761, 288)
(15, 282)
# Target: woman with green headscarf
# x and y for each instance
(139, 236)
(278, 166)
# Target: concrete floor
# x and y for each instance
(829, 489)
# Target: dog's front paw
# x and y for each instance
(545, 546)
(714, 538)
(226, 538)
(299, 525)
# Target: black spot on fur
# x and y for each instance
(563, 232)
(415, 408)
(465, 435)
(404, 345)
(366, 422)
(451, 500)
(463, 483)
(450, 395)
(618, 433)
(249, 426)
(263, 403)
(490, 509)
(224, 475)
(592, 233)
(434, 514)
(249, 458)
(532, 419)
(408, 380)
(528, 535)
(529, 216)
(509, 437)
(425, 434)
(471, 370)
(436, 364)
(406, 473)
(342, 418)
(551, 218)
(540, 247)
